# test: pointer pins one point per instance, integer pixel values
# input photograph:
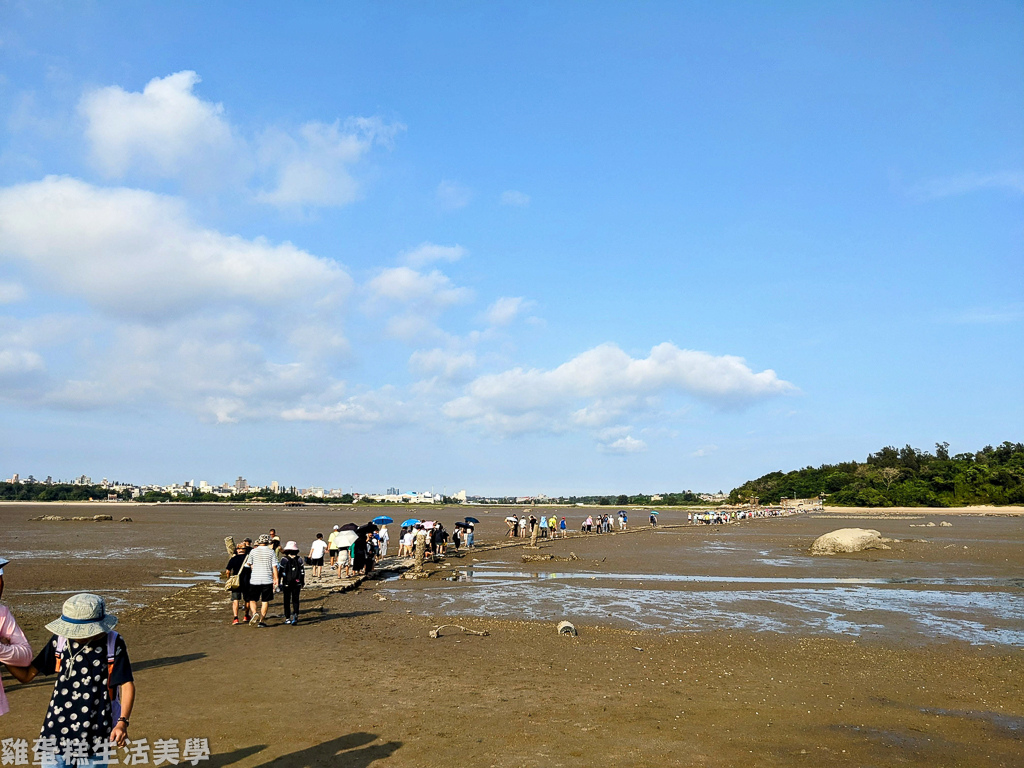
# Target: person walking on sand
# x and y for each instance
(234, 567)
(262, 579)
(316, 555)
(94, 694)
(345, 556)
(292, 576)
(332, 546)
(561, 527)
(383, 537)
(275, 542)
(14, 648)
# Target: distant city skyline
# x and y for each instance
(559, 249)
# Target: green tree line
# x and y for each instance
(51, 492)
(905, 477)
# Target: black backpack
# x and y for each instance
(291, 571)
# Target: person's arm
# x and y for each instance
(273, 569)
(14, 650)
(120, 733)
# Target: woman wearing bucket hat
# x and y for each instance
(95, 690)
(14, 648)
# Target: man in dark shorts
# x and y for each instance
(262, 566)
(238, 595)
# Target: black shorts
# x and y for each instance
(333, 552)
(314, 561)
(260, 593)
(236, 594)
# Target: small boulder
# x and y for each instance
(848, 540)
(126, 520)
(566, 628)
(944, 524)
(102, 518)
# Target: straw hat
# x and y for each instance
(83, 616)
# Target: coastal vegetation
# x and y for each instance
(905, 477)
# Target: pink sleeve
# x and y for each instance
(19, 652)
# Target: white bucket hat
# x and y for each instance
(83, 616)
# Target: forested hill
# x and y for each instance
(903, 477)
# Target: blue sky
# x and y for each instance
(511, 248)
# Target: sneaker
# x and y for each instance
(262, 624)
(254, 621)
(234, 621)
(247, 618)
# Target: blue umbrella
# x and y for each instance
(653, 512)
(471, 520)
(410, 521)
(383, 520)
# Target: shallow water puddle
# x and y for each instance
(852, 607)
(491, 576)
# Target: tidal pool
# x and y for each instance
(993, 614)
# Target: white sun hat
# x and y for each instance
(83, 616)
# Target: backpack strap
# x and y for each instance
(114, 692)
(62, 643)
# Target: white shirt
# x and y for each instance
(318, 549)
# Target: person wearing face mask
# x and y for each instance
(14, 648)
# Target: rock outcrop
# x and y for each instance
(848, 540)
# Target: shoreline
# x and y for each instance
(979, 509)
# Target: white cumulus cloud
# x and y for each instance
(506, 309)
(166, 129)
(168, 312)
(137, 253)
(627, 444)
(18, 362)
(604, 383)
(314, 168)
(413, 299)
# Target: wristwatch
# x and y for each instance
(123, 720)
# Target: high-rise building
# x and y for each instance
(274, 486)
(241, 486)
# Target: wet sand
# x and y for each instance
(361, 682)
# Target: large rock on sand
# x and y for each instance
(848, 540)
